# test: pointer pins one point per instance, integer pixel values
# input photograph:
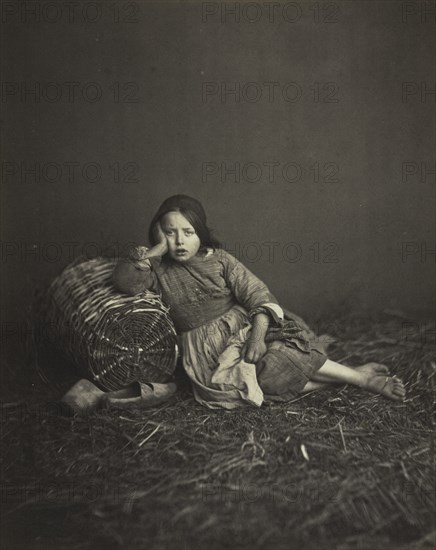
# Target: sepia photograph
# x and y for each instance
(218, 275)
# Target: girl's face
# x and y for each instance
(183, 241)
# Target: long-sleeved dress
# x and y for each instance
(213, 298)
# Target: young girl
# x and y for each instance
(237, 345)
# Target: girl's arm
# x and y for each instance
(249, 291)
(256, 298)
(134, 274)
(255, 347)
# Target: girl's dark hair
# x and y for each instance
(203, 231)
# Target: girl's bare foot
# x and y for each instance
(379, 382)
(389, 386)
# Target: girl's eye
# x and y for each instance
(189, 233)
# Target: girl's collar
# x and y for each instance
(201, 256)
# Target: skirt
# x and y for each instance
(220, 378)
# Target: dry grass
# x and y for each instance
(336, 468)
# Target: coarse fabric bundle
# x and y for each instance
(111, 338)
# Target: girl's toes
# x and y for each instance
(397, 393)
(399, 383)
(388, 386)
(399, 389)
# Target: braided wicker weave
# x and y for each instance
(112, 338)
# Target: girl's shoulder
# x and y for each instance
(221, 255)
(222, 259)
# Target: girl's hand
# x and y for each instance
(158, 233)
(253, 350)
(161, 248)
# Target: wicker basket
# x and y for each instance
(111, 338)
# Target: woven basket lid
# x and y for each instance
(112, 338)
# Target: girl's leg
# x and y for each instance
(372, 377)
(368, 368)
